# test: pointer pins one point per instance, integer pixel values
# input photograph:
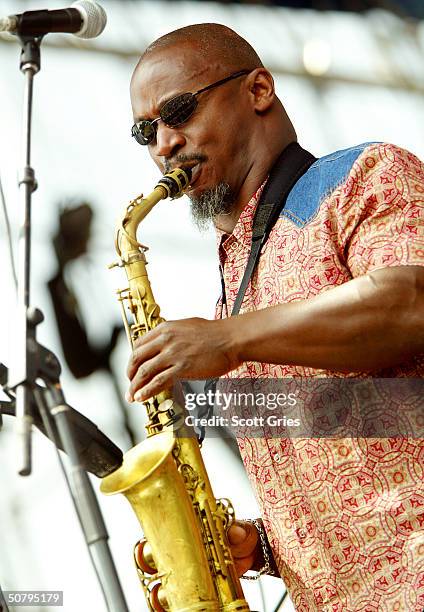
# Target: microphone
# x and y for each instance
(85, 19)
(96, 452)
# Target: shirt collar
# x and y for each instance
(242, 232)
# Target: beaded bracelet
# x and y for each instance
(265, 569)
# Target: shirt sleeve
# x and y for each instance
(383, 210)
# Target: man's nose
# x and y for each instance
(168, 140)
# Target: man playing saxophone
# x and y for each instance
(339, 291)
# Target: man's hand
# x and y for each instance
(193, 349)
(244, 541)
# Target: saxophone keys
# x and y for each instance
(143, 557)
(133, 203)
(138, 200)
(141, 292)
(153, 311)
(158, 599)
(166, 406)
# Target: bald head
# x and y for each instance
(212, 41)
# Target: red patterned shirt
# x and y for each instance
(345, 517)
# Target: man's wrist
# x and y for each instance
(264, 563)
(233, 341)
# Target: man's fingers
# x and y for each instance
(146, 372)
(237, 534)
(163, 380)
(145, 348)
(244, 565)
(243, 538)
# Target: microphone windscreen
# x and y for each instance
(94, 18)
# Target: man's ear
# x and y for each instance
(261, 86)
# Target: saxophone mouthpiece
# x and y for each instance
(176, 181)
(188, 173)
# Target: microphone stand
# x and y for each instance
(22, 372)
(32, 362)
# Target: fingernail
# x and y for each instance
(128, 397)
(138, 396)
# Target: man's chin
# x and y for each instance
(195, 192)
(209, 203)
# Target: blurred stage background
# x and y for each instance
(350, 72)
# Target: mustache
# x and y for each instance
(174, 162)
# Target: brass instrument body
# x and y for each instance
(188, 564)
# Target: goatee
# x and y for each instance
(210, 204)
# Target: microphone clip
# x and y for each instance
(30, 58)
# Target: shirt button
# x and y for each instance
(277, 458)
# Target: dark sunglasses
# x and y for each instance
(175, 111)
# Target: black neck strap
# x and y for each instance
(292, 163)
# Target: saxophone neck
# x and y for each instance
(139, 208)
(171, 185)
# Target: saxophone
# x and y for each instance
(185, 562)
